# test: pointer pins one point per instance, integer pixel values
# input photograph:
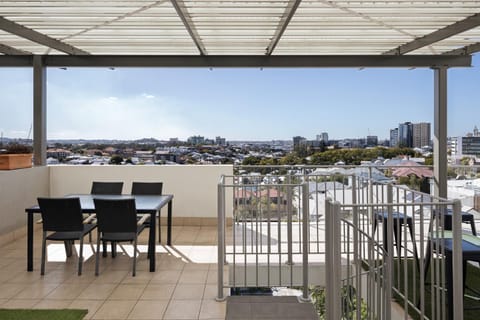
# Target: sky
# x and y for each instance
(237, 104)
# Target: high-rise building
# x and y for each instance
(298, 140)
(420, 134)
(394, 137)
(372, 141)
(405, 134)
(196, 140)
(325, 137)
(471, 146)
(220, 141)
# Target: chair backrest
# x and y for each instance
(147, 188)
(118, 215)
(61, 214)
(99, 187)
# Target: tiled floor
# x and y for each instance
(183, 286)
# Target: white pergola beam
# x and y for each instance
(182, 12)
(40, 38)
(450, 30)
(282, 25)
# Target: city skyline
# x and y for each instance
(238, 104)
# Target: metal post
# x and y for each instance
(221, 238)
(389, 264)
(333, 261)
(370, 194)
(305, 240)
(39, 111)
(440, 132)
(289, 220)
(457, 262)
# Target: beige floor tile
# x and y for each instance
(91, 305)
(53, 304)
(141, 277)
(183, 309)
(2, 301)
(8, 291)
(212, 276)
(127, 292)
(36, 291)
(166, 276)
(158, 291)
(188, 292)
(147, 309)
(110, 276)
(193, 277)
(115, 309)
(213, 309)
(20, 303)
(196, 266)
(99, 291)
(67, 291)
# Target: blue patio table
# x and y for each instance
(146, 204)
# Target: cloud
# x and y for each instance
(147, 96)
(121, 117)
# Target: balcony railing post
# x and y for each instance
(221, 237)
(289, 220)
(333, 260)
(305, 240)
(457, 262)
(370, 193)
(389, 252)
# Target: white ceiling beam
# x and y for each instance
(11, 50)
(472, 48)
(182, 12)
(40, 38)
(450, 30)
(282, 25)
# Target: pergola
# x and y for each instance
(249, 33)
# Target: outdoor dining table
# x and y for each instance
(146, 204)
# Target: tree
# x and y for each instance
(116, 160)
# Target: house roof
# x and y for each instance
(242, 29)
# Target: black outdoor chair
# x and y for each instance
(100, 187)
(149, 189)
(105, 188)
(63, 221)
(117, 222)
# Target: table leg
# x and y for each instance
(151, 241)
(169, 224)
(30, 242)
(474, 230)
(159, 226)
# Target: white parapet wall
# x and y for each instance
(19, 189)
(194, 186)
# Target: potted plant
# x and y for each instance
(15, 156)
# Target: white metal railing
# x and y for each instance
(383, 234)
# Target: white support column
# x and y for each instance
(39, 111)
(440, 132)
